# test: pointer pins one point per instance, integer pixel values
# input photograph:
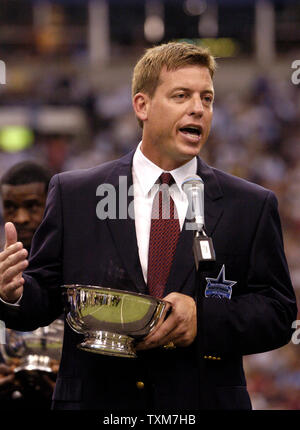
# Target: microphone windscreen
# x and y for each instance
(191, 180)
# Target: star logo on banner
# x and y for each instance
(219, 287)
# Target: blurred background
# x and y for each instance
(65, 75)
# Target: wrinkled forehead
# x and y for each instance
(24, 191)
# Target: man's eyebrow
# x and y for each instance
(180, 88)
(210, 91)
(32, 199)
(29, 200)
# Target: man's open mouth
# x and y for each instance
(191, 132)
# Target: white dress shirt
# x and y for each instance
(145, 174)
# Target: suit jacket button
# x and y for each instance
(140, 385)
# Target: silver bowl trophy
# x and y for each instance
(34, 358)
(111, 320)
(36, 350)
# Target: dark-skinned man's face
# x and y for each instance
(24, 206)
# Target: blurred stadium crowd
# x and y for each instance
(255, 135)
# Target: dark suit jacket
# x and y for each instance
(73, 245)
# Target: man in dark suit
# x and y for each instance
(242, 304)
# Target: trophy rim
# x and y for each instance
(112, 290)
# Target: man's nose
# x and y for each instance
(196, 106)
(21, 216)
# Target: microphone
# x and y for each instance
(203, 247)
(193, 186)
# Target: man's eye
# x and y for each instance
(208, 99)
(9, 207)
(32, 205)
(179, 96)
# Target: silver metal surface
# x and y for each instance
(111, 320)
(36, 350)
(35, 362)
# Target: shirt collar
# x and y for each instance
(147, 173)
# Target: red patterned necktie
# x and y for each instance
(164, 234)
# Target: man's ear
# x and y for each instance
(140, 106)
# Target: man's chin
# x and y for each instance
(190, 153)
(189, 150)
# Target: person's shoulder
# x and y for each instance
(236, 186)
(87, 174)
(93, 175)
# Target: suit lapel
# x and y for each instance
(122, 228)
(184, 259)
(213, 194)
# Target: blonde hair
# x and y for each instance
(172, 55)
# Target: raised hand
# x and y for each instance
(13, 261)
